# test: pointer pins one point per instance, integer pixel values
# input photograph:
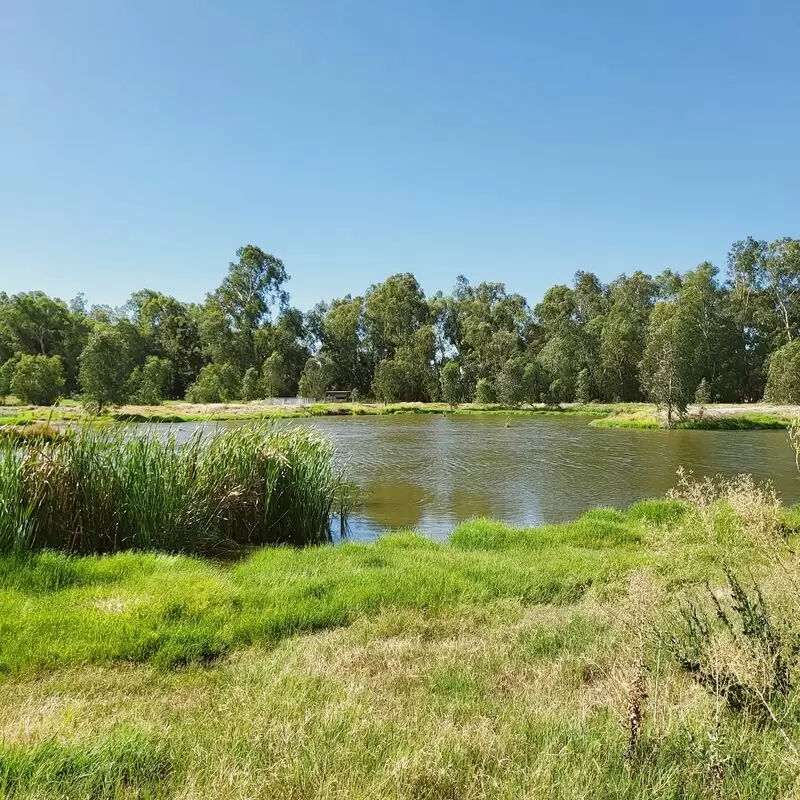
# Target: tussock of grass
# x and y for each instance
(19, 434)
(130, 763)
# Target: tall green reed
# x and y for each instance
(112, 489)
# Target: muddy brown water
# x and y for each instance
(431, 472)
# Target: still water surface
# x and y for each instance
(431, 472)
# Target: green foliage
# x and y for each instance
(783, 377)
(557, 392)
(251, 385)
(637, 337)
(534, 382)
(316, 378)
(452, 388)
(216, 383)
(103, 490)
(38, 380)
(171, 332)
(665, 369)
(150, 382)
(583, 386)
(509, 385)
(485, 392)
(246, 298)
(105, 367)
(273, 378)
(702, 395)
(408, 376)
(393, 312)
(6, 375)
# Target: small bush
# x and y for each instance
(149, 383)
(251, 385)
(485, 393)
(38, 380)
(216, 383)
(783, 377)
(737, 651)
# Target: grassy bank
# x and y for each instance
(607, 415)
(107, 490)
(505, 663)
(176, 412)
(726, 418)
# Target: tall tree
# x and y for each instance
(249, 294)
(668, 365)
(171, 332)
(393, 311)
(623, 334)
(105, 365)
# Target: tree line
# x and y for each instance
(669, 338)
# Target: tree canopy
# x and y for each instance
(638, 336)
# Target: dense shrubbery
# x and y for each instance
(783, 377)
(38, 380)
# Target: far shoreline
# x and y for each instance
(636, 416)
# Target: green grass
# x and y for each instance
(646, 420)
(130, 761)
(636, 416)
(494, 665)
(176, 610)
(107, 490)
(172, 412)
(739, 422)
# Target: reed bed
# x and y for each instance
(106, 490)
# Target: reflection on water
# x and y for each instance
(431, 472)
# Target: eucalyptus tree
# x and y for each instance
(105, 366)
(249, 295)
(623, 335)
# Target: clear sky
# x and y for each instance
(143, 141)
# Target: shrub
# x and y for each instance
(783, 376)
(509, 385)
(583, 386)
(316, 378)
(6, 374)
(251, 384)
(38, 380)
(702, 395)
(450, 379)
(216, 383)
(737, 650)
(273, 376)
(484, 392)
(149, 383)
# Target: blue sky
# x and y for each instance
(142, 142)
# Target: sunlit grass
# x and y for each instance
(495, 665)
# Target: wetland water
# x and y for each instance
(431, 472)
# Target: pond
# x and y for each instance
(430, 472)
